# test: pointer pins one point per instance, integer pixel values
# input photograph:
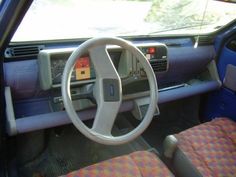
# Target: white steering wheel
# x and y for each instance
(107, 90)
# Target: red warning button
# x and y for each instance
(151, 50)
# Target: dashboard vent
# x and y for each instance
(23, 51)
(205, 40)
(159, 65)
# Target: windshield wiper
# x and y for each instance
(175, 29)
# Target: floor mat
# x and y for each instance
(71, 151)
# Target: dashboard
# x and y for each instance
(182, 71)
(52, 62)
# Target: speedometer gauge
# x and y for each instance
(83, 69)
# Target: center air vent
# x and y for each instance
(23, 51)
(159, 65)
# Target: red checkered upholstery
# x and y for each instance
(211, 147)
(137, 164)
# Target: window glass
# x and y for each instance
(59, 19)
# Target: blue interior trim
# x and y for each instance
(188, 91)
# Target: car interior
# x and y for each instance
(152, 102)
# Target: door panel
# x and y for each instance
(228, 56)
(223, 102)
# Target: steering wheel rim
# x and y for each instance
(96, 46)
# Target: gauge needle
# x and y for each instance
(59, 74)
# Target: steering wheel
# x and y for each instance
(107, 90)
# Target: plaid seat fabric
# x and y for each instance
(137, 164)
(211, 147)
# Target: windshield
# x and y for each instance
(73, 19)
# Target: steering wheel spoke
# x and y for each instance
(105, 117)
(103, 64)
(107, 90)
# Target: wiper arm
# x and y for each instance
(175, 29)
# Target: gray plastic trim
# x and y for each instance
(138, 103)
(214, 72)
(173, 87)
(11, 121)
(230, 77)
(170, 145)
(183, 166)
(45, 75)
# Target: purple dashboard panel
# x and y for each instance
(28, 98)
(31, 107)
(22, 78)
(185, 63)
